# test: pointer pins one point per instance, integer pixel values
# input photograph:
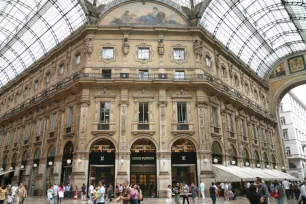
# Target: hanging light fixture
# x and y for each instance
(50, 163)
(34, 165)
(215, 160)
(69, 161)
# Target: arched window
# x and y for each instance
(143, 145)
(216, 153)
(51, 152)
(266, 160)
(273, 161)
(4, 162)
(246, 157)
(292, 166)
(183, 145)
(103, 145)
(68, 150)
(37, 154)
(256, 158)
(14, 159)
(234, 160)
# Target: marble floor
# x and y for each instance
(240, 200)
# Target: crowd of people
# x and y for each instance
(13, 194)
(96, 194)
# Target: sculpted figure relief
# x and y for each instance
(161, 48)
(197, 48)
(126, 46)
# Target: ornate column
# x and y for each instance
(204, 164)
(80, 156)
(164, 155)
(123, 155)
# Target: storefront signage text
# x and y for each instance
(143, 158)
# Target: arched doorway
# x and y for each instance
(34, 174)
(3, 168)
(49, 167)
(216, 153)
(246, 157)
(266, 160)
(23, 166)
(143, 166)
(102, 162)
(12, 169)
(256, 159)
(67, 163)
(234, 158)
(183, 162)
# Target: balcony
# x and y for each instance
(182, 129)
(146, 128)
(52, 136)
(107, 128)
(69, 131)
(38, 140)
(215, 131)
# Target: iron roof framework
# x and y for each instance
(30, 28)
(261, 32)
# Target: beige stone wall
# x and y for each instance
(225, 85)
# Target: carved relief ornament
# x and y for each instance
(105, 93)
(181, 94)
(214, 99)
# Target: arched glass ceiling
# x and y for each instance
(30, 28)
(259, 32)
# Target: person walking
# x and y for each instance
(226, 191)
(90, 192)
(202, 189)
(126, 193)
(253, 195)
(263, 191)
(76, 193)
(213, 192)
(286, 185)
(61, 192)
(83, 194)
(110, 192)
(140, 195)
(185, 193)
(279, 189)
(194, 193)
(117, 193)
(169, 195)
(21, 193)
(296, 191)
(55, 192)
(50, 194)
(134, 194)
(176, 191)
(3, 192)
(13, 190)
(101, 194)
(71, 192)
(302, 198)
(67, 190)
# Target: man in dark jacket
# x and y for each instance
(280, 192)
(262, 190)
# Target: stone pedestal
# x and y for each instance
(123, 167)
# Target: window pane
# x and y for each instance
(182, 113)
(143, 112)
(215, 116)
(143, 53)
(104, 112)
(178, 54)
(108, 53)
(143, 74)
(179, 75)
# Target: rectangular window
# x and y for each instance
(285, 134)
(70, 116)
(214, 116)
(25, 93)
(243, 129)
(8, 138)
(181, 108)
(254, 132)
(208, 61)
(39, 127)
(108, 53)
(178, 54)
(53, 122)
(61, 69)
(106, 74)
(28, 131)
(17, 138)
(282, 120)
(288, 152)
(271, 140)
(230, 122)
(179, 75)
(143, 116)
(143, 74)
(36, 84)
(77, 59)
(143, 53)
(48, 77)
(263, 135)
(104, 116)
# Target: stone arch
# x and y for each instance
(256, 156)
(62, 147)
(265, 158)
(45, 153)
(188, 145)
(68, 148)
(25, 156)
(182, 137)
(145, 142)
(51, 151)
(98, 141)
(217, 153)
(92, 141)
(144, 137)
(234, 154)
(36, 154)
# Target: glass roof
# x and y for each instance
(30, 28)
(260, 32)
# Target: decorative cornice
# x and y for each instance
(105, 94)
(181, 94)
(143, 93)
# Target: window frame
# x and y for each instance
(175, 50)
(178, 75)
(77, 59)
(105, 49)
(143, 114)
(141, 72)
(185, 121)
(53, 122)
(70, 113)
(103, 111)
(140, 51)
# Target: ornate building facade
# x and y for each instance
(144, 96)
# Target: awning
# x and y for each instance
(5, 172)
(231, 174)
(236, 174)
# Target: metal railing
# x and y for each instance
(135, 76)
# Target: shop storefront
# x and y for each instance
(34, 191)
(183, 162)
(67, 163)
(49, 167)
(143, 166)
(102, 163)
(23, 167)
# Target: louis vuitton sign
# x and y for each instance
(143, 158)
(183, 158)
(101, 158)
